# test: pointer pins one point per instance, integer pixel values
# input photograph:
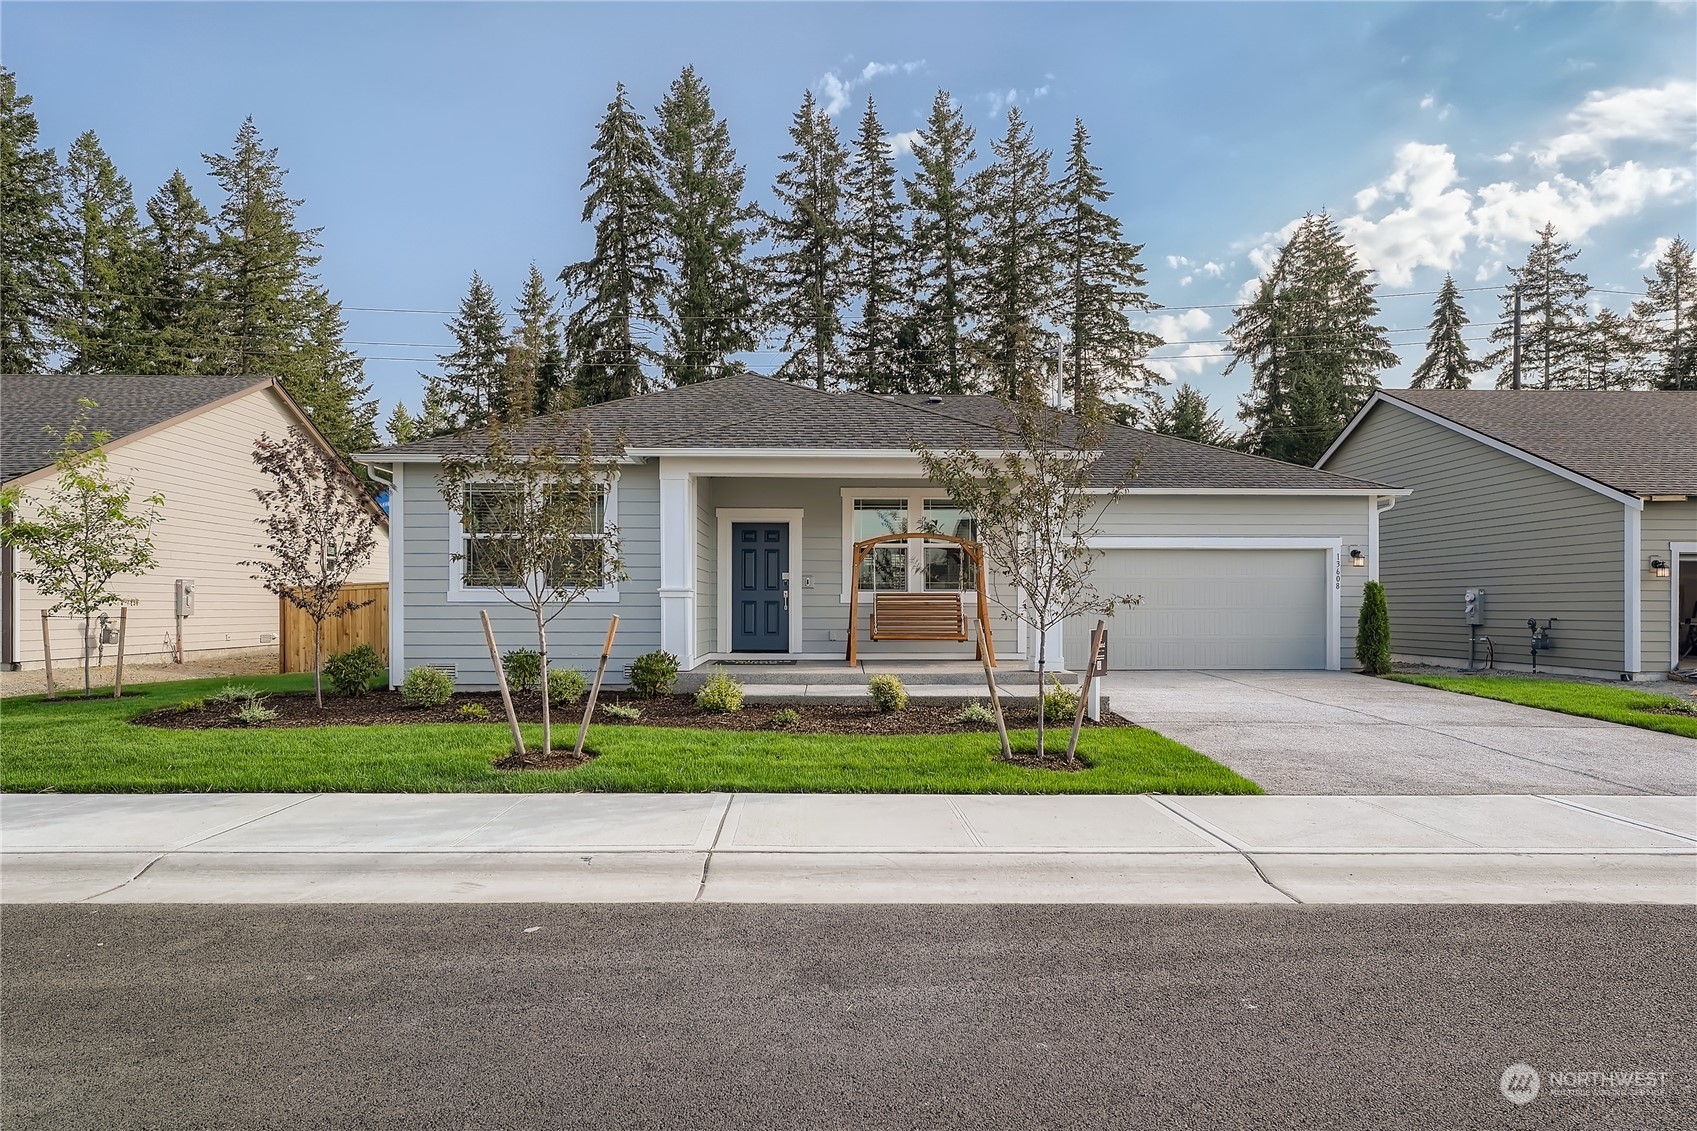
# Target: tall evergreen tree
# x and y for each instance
(328, 380)
(98, 319)
(433, 418)
(621, 284)
(1312, 344)
(1101, 282)
(877, 250)
(537, 380)
(1189, 417)
(1667, 318)
(804, 277)
(1554, 322)
(1017, 287)
(178, 320)
(941, 252)
(400, 426)
(32, 242)
(1613, 355)
(472, 383)
(711, 292)
(1447, 364)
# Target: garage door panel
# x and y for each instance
(1211, 609)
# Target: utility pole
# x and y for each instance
(1514, 380)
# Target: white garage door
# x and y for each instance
(1211, 609)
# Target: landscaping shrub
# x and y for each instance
(785, 717)
(974, 714)
(472, 712)
(233, 695)
(720, 695)
(1373, 631)
(652, 673)
(1060, 704)
(566, 686)
(887, 693)
(253, 712)
(426, 687)
(621, 713)
(351, 673)
(524, 669)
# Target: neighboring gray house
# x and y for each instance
(1242, 562)
(1581, 506)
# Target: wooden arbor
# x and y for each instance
(919, 616)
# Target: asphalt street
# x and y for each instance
(597, 1016)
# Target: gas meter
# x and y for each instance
(185, 597)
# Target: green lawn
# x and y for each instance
(1615, 704)
(87, 747)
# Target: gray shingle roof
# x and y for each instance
(749, 411)
(31, 404)
(1642, 443)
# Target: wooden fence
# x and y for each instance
(368, 625)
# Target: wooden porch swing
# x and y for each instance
(920, 616)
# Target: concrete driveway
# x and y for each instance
(1337, 732)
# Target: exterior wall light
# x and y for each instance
(1357, 558)
(1660, 568)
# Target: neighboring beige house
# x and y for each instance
(1577, 506)
(189, 439)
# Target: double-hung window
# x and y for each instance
(912, 564)
(948, 567)
(885, 566)
(494, 512)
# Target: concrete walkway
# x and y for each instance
(1338, 732)
(812, 848)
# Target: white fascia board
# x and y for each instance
(1556, 469)
(794, 453)
(1133, 489)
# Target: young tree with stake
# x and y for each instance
(84, 534)
(320, 529)
(534, 507)
(1037, 506)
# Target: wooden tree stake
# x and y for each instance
(501, 679)
(47, 655)
(595, 689)
(118, 676)
(1084, 689)
(996, 703)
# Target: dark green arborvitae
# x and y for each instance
(1554, 321)
(1667, 318)
(1101, 283)
(1373, 631)
(804, 277)
(1189, 417)
(711, 293)
(1447, 364)
(1017, 285)
(619, 287)
(537, 380)
(98, 320)
(1312, 343)
(877, 253)
(471, 384)
(33, 281)
(940, 254)
(178, 317)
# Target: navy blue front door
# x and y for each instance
(760, 566)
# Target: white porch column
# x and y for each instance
(677, 566)
(1053, 649)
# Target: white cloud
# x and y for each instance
(1508, 212)
(1429, 223)
(1657, 250)
(1666, 113)
(1428, 102)
(1000, 100)
(1178, 328)
(902, 143)
(835, 90)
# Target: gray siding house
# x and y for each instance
(1577, 506)
(1242, 562)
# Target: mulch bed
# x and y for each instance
(557, 759)
(384, 708)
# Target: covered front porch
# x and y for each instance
(757, 558)
(824, 680)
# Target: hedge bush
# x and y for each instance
(426, 687)
(352, 673)
(1373, 631)
(652, 673)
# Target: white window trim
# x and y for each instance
(915, 497)
(459, 593)
(727, 515)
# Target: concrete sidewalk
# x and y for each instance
(829, 848)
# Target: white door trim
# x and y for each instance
(1333, 548)
(1633, 660)
(1675, 549)
(795, 516)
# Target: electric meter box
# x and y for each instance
(1473, 606)
(185, 596)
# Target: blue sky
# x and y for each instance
(430, 140)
